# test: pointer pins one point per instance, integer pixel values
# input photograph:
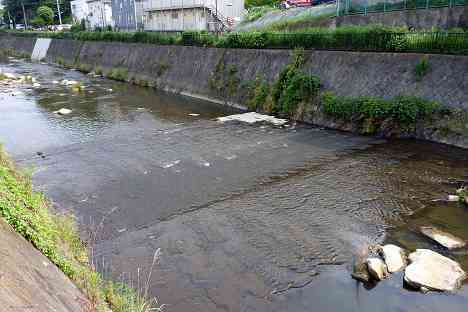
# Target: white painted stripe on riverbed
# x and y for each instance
(40, 48)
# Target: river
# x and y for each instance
(245, 217)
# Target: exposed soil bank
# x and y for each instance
(223, 75)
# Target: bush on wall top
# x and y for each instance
(352, 38)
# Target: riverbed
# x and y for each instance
(243, 217)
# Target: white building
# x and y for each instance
(99, 14)
(79, 10)
(178, 15)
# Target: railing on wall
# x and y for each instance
(421, 42)
(348, 7)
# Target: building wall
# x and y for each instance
(124, 14)
(79, 9)
(100, 14)
(157, 15)
(177, 20)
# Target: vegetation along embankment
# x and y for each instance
(347, 38)
(56, 236)
(389, 92)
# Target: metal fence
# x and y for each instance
(348, 7)
(448, 43)
(421, 42)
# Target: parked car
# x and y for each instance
(60, 27)
(286, 4)
(20, 27)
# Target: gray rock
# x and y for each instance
(377, 268)
(360, 272)
(432, 271)
(394, 257)
(453, 198)
(445, 239)
(64, 111)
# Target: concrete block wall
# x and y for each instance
(444, 18)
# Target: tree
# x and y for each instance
(46, 14)
(31, 6)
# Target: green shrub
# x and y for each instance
(293, 86)
(120, 74)
(58, 239)
(258, 92)
(356, 38)
(422, 68)
(405, 110)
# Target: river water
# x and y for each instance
(245, 217)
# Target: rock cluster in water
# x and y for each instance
(424, 269)
(10, 79)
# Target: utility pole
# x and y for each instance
(10, 21)
(59, 14)
(24, 16)
(216, 17)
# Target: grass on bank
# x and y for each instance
(56, 236)
(254, 13)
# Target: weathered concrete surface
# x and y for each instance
(19, 44)
(63, 51)
(444, 18)
(189, 69)
(40, 48)
(30, 282)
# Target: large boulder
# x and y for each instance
(377, 268)
(432, 271)
(445, 239)
(394, 257)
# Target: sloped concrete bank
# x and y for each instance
(220, 75)
(30, 282)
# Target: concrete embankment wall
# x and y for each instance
(192, 70)
(220, 74)
(21, 45)
(444, 18)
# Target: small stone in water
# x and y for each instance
(64, 111)
(394, 257)
(445, 239)
(377, 268)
